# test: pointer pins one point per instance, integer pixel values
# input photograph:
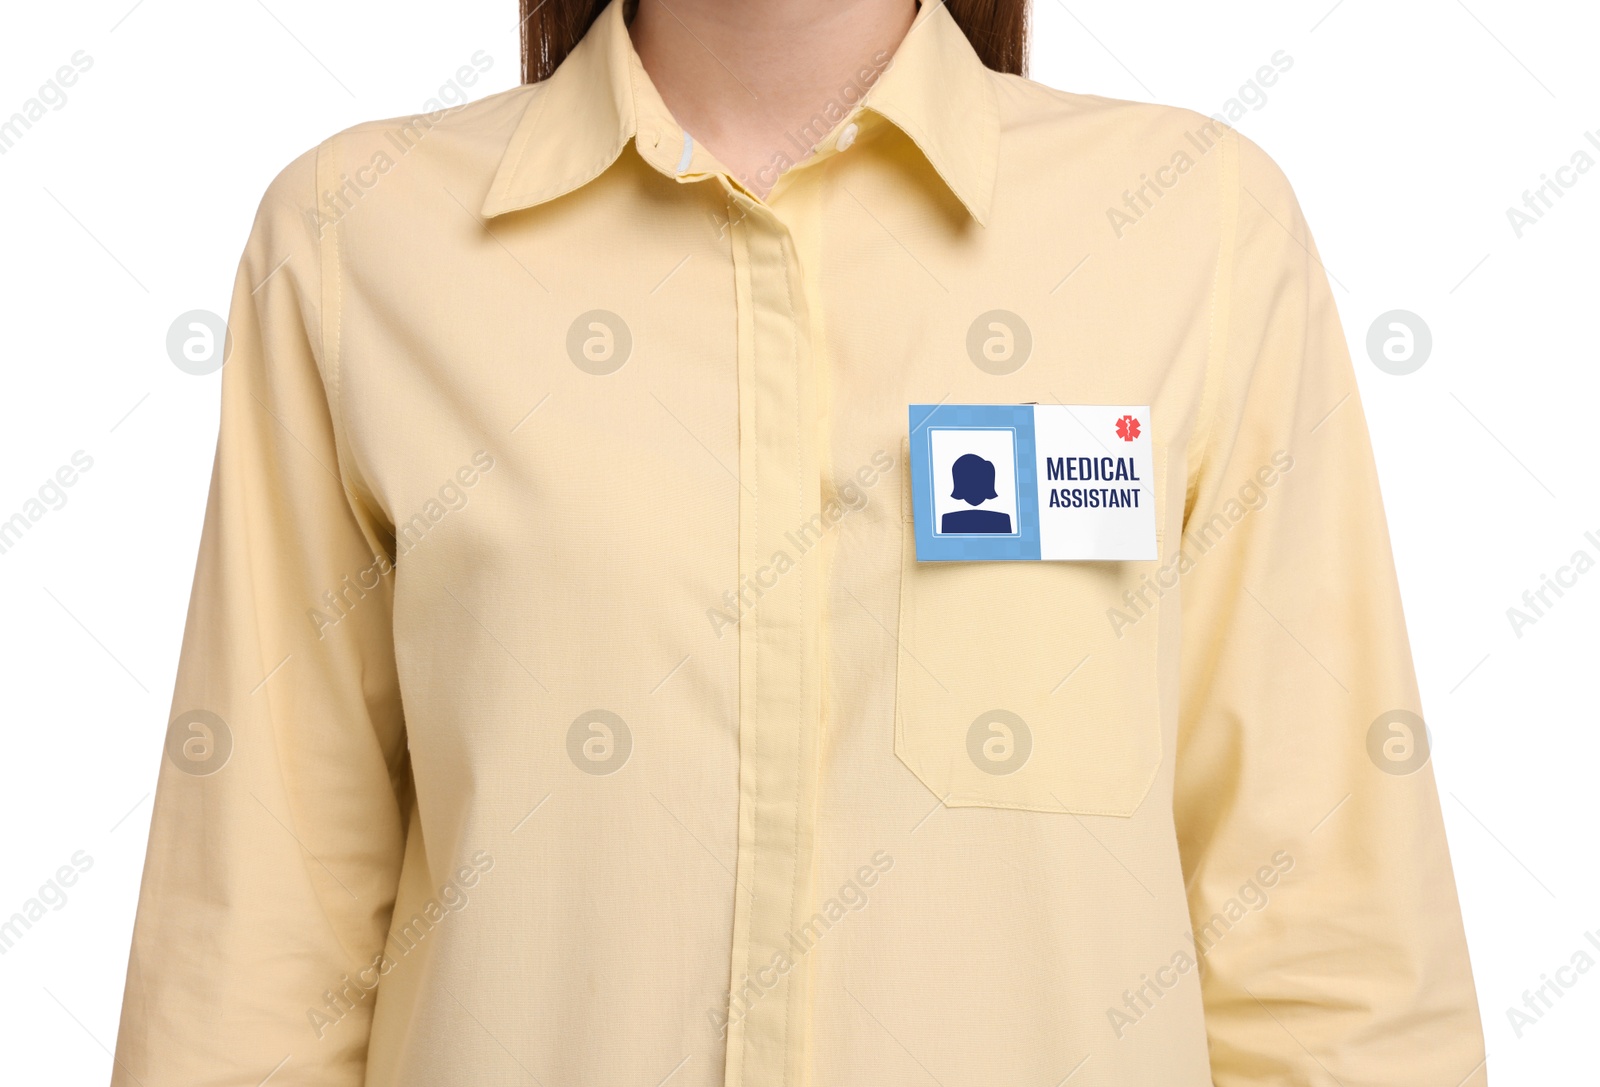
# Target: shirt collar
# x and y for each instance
(578, 121)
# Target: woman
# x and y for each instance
(564, 700)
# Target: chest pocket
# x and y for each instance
(1017, 688)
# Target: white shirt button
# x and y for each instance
(847, 136)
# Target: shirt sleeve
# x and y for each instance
(1325, 914)
(279, 817)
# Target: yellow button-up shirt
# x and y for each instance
(563, 703)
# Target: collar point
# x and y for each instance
(495, 204)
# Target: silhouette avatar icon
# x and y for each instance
(974, 479)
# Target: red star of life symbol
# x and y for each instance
(1127, 428)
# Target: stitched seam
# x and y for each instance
(524, 136)
(1220, 314)
(329, 331)
(755, 694)
(920, 139)
(356, 488)
(799, 476)
(756, 820)
(333, 320)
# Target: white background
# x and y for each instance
(1408, 129)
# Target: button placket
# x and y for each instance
(780, 690)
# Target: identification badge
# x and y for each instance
(1032, 482)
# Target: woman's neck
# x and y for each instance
(749, 79)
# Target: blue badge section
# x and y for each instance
(974, 482)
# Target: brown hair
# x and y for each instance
(997, 29)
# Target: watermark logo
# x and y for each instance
(803, 140)
(851, 897)
(1139, 200)
(1399, 342)
(1541, 200)
(599, 342)
(1536, 603)
(999, 742)
(850, 496)
(1397, 743)
(405, 935)
(451, 497)
(599, 743)
(1252, 897)
(198, 342)
(1538, 1002)
(50, 898)
(199, 743)
(401, 139)
(50, 98)
(51, 495)
(1203, 535)
(999, 342)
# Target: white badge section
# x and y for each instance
(1097, 482)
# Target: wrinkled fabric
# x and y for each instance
(562, 701)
